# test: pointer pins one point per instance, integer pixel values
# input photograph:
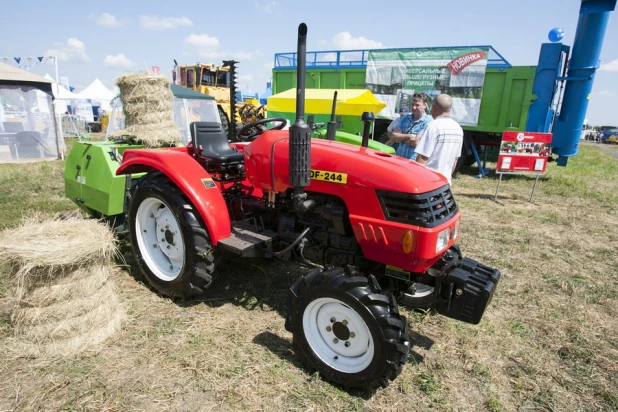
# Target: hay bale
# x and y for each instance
(20, 348)
(147, 103)
(29, 314)
(41, 250)
(64, 301)
(75, 315)
(83, 282)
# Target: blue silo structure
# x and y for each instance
(581, 69)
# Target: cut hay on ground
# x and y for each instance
(147, 103)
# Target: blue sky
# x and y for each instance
(104, 39)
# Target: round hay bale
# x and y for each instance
(147, 103)
(41, 250)
(74, 315)
(71, 326)
(53, 349)
(82, 282)
(67, 309)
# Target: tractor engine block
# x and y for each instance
(331, 239)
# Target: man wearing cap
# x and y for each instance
(403, 110)
(407, 133)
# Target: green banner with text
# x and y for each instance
(395, 76)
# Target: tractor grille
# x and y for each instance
(424, 210)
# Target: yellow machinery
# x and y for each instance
(220, 82)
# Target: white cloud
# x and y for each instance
(207, 46)
(245, 78)
(202, 42)
(346, 41)
(610, 67)
(108, 20)
(73, 50)
(162, 23)
(119, 61)
(268, 65)
(607, 93)
(239, 56)
(265, 6)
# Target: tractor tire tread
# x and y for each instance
(393, 346)
(200, 265)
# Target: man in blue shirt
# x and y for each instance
(407, 134)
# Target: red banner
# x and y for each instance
(465, 60)
(524, 152)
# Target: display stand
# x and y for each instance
(507, 173)
(523, 153)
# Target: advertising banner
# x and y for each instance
(394, 76)
(524, 152)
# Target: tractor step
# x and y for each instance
(246, 242)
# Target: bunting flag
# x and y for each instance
(25, 63)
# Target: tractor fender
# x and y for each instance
(190, 177)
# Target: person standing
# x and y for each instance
(395, 123)
(408, 132)
(440, 145)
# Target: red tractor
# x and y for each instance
(379, 229)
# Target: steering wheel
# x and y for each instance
(242, 133)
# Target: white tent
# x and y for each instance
(97, 92)
(59, 91)
(28, 127)
(81, 108)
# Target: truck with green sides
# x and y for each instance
(506, 97)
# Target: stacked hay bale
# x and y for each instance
(64, 301)
(147, 103)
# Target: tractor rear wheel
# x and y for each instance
(224, 120)
(169, 239)
(346, 329)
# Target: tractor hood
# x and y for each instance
(349, 165)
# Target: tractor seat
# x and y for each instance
(215, 147)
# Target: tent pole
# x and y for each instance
(56, 63)
(59, 133)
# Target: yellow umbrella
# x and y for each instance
(320, 101)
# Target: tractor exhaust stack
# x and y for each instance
(300, 133)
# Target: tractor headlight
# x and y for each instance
(455, 231)
(443, 238)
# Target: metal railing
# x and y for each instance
(339, 59)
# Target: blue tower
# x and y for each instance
(582, 66)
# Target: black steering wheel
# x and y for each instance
(243, 134)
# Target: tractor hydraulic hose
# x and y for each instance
(296, 242)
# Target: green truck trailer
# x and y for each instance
(506, 99)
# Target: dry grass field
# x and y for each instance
(548, 342)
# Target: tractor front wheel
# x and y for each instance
(169, 239)
(346, 329)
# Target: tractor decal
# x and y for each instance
(326, 176)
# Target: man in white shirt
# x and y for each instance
(440, 145)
